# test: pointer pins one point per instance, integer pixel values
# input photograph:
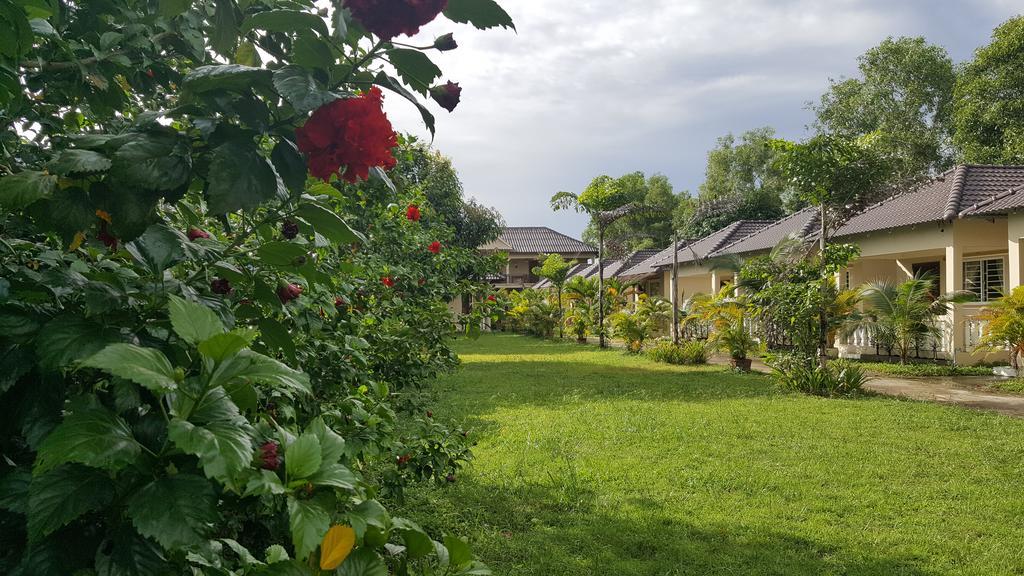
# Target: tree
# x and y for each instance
(905, 314)
(839, 176)
(1004, 325)
(901, 104)
(988, 101)
(556, 270)
(606, 201)
(648, 228)
(741, 175)
(582, 294)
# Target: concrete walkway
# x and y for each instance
(967, 391)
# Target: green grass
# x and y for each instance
(592, 462)
(924, 369)
(1012, 385)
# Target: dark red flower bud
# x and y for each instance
(195, 233)
(339, 302)
(220, 286)
(149, 72)
(108, 239)
(413, 213)
(430, 414)
(491, 298)
(450, 478)
(387, 281)
(421, 281)
(288, 292)
(446, 42)
(289, 229)
(389, 18)
(269, 458)
(435, 247)
(403, 459)
(446, 95)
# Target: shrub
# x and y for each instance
(923, 369)
(804, 374)
(689, 353)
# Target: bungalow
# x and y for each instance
(526, 246)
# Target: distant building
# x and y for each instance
(526, 247)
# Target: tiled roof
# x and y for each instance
(542, 240)
(636, 263)
(960, 191)
(689, 250)
(801, 224)
(1008, 201)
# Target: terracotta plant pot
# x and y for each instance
(741, 364)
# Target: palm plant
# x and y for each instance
(581, 293)
(1004, 327)
(555, 270)
(906, 313)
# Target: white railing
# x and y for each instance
(862, 340)
(974, 328)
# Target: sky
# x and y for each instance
(593, 87)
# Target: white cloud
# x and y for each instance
(596, 86)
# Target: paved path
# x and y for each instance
(960, 390)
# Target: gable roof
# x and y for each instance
(636, 263)
(690, 250)
(960, 191)
(1009, 200)
(801, 223)
(542, 240)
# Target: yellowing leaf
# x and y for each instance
(76, 242)
(104, 215)
(336, 546)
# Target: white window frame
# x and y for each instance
(984, 286)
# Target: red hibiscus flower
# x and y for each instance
(491, 298)
(269, 457)
(220, 286)
(388, 281)
(435, 247)
(413, 213)
(353, 133)
(288, 292)
(389, 18)
(195, 233)
(446, 95)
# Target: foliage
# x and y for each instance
(637, 325)
(923, 369)
(555, 270)
(1004, 325)
(725, 313)
(531, 312)
(647, 228)
(901, 103)
(803, 374)
(688, 353)
(988, 116)
(741, 174)
(210, 358)
(904, 315)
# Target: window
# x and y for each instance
(984, 278)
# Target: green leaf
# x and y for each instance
(247, 55)
(332, 446)
(222, 346)
(62, 495)
(285, 21)
(77, 161)
(251, 367)
(145, 366)
(19, 190)
(335, 476)
(308, 522)
(125, 553)
(296, 85)
(239, 178)
(220, 436)
(155, 162)
(417, 543)
(482, 14)
(172, 8)
(275, 336)
(329, 224)
(382, 79)
(289, 165)
(94, 436)
(302, 457)
(284, 567)
(312, 52)
(131, 209)
(176, 511)
(459, 553)
(233, 77)
(415, 68)
(281, 253)
(225, 29)
(63, 341)
(68, 212)
(159, 247)
(14, 487)
(363, 562)
(369, 513)
(276, 553)
(193, 322)
(17, 37)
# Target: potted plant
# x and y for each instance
(738, 343)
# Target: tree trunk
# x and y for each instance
(561, 319)
(675, 289)
(600, 285)
(823, 313)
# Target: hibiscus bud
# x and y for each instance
(403, 459)
(339, 302)
(288, 292)
(430, 414)
(220, 286)
(491, 298)
(446, 42)
(195, 234)
(435, 247)
(421, 281)
(446, 95)
(269, 458)
(149, 72)
(450, 478)
(289, 229)
(413, 213)
(387, 281)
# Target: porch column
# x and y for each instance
(714, 282)
(953, 280)
(1014, 235)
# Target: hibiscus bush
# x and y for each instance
(218, 310)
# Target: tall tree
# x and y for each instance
(555, 269)
(650, 228)
(742, 175)
(900, 106)
(988, 109)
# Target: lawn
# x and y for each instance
(593, 462)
